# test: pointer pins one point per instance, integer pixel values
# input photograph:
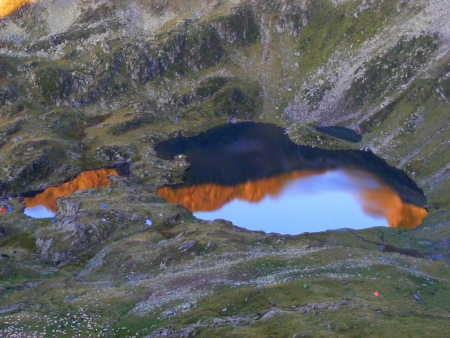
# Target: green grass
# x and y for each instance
(332, 27)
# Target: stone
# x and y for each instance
(67, 207)
(186, 306)
(135, 217)
(187, 246)
(417, 298)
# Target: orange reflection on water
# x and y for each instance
(385, 202)
(210, 197)
(8, 7)
(376, 200)
(93, 179)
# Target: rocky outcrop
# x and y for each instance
(116, 154)
(67, 207)
(44, 248)
(31, 161)
(238, 27)
(189, 48)
(8, 130)
(78, 88)
(71, 237)
(97, 82)
(8, 95)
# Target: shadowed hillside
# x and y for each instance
(89, 84)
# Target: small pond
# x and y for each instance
(253, 175)
(43, 204)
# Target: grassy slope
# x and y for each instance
(138, 279)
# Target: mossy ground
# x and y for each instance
(143, 280)
(80, 108)
(246, 284)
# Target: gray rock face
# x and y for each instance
(87, 84)
(69, 237)
(43, 246)
(8, 95)
(67, 208)
(187, 246)
(8, 130)
(117, 154)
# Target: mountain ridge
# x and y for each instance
(88, 84)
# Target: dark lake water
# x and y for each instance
(253, 175)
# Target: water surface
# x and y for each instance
(43, 204)
(254, 176)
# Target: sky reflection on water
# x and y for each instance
(301, 202)
(39, 211)
(253, 175)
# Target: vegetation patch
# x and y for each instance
(345, 24)
(388, 71)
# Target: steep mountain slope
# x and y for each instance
(380, 68)
(86, 84)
